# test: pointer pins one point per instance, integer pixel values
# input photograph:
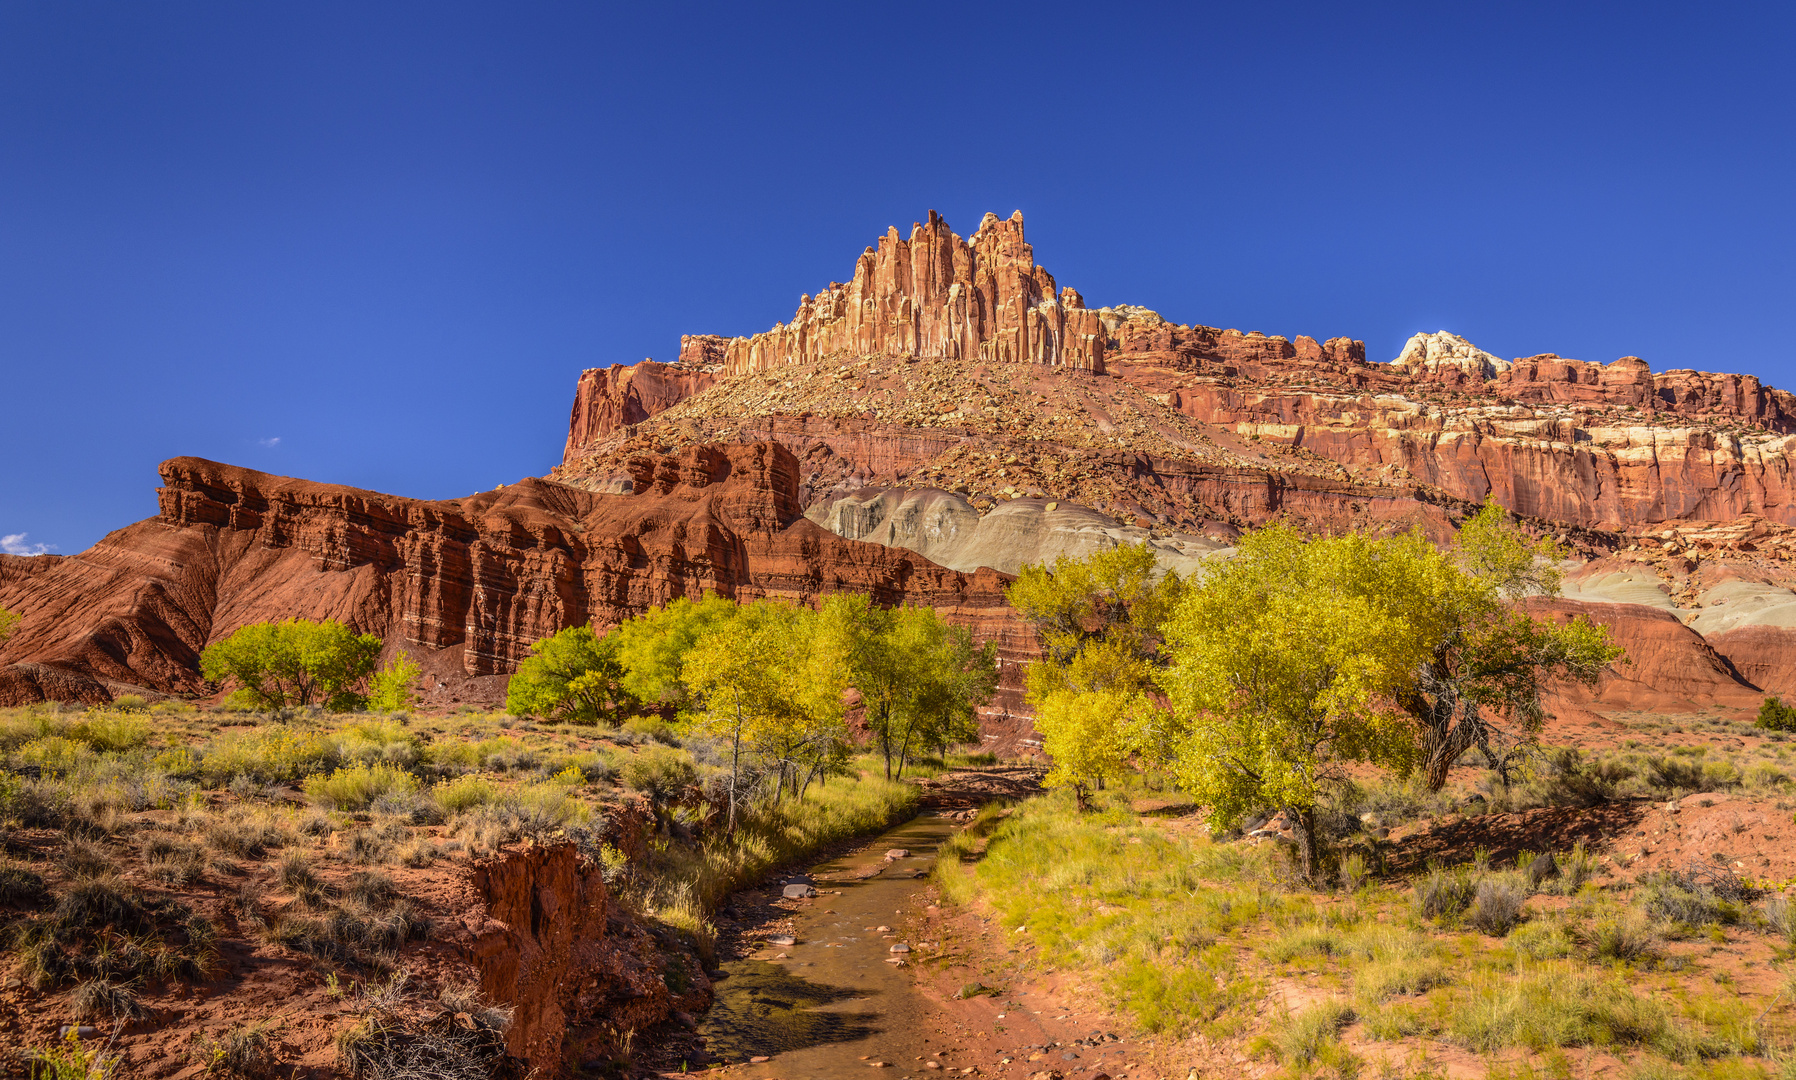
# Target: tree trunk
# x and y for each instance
(1303, 831)
(735, 768)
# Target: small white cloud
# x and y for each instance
(269, 442)
(14, 544)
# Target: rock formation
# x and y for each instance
(466, 585)
(949, 409)
(933, 296)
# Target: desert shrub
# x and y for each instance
(56, 755)
(1498, 905)
(1577, 867)
(270, 755)
(652, 727)
(1674, 773)
(357, 787)
(109, 732)
(130, 703)
(1443, 894)
(1719, 774)
(1774, 715)
(83, 857)
(1687, 899)
(662, 775)
(70, 1060)
(1764, 774)
(1353, 871)
(1626, 938)
(464, 793)
(371, 742)
(103, 999)
(592, 765)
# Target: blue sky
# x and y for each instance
(375, 244)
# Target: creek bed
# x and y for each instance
(835, 1000)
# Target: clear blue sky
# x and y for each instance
(390, 236)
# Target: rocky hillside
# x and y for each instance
(932, 408)
(949, 415)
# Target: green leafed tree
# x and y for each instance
(391, 688)
(921, 680)
(1481, 682)
(769, 683)
(652, 648)
(1284, 672)
(1102, 621)
(296, 662)
(573, 675)
(9, 621)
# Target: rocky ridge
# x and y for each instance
(465, 585)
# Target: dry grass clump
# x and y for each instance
(387, 1046)
(294, 871)
(247, 833)
(1443, 894)
(1498, 905)
(102, 928)
(104, 999)
(370, 923)
(20, 886)
(245, 1052)
(173, 861)
(82, 857)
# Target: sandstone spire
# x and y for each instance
(932, 295)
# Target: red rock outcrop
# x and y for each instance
(469, 583)
(933, 295)
(1611, 446)
(546, 942)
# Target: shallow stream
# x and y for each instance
(834, 1002)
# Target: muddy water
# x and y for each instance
(834, 1001)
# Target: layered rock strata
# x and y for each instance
(468, 584)
(931, 295)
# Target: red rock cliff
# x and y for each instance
(469, 583)
(932, 295)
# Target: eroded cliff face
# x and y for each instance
(912, 434)
(932, 295)
(887, 375)
(467, 585)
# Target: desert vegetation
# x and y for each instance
(151, 846)
(1272, 777)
